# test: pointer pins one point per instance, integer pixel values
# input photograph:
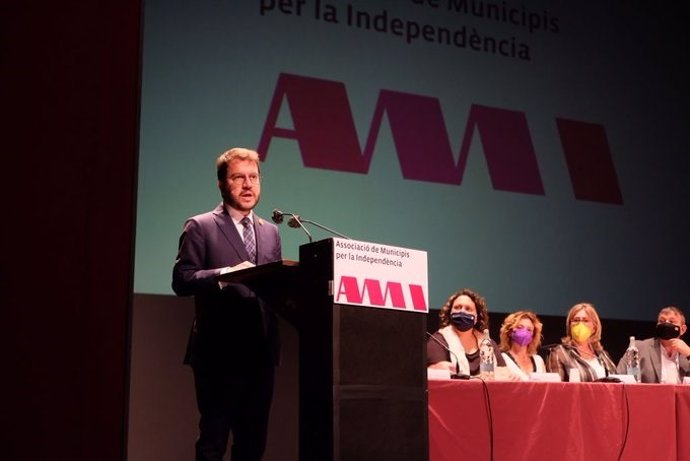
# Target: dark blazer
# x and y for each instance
(231, 326)
(650, 361)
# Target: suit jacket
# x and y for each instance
(232, 327)
(650, 361)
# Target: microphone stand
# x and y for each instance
(296, 222)
(606, 378)
(457, 374)
(320, 226)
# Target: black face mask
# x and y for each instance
(665, 330)
(462, 320)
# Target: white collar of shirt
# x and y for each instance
(669, 368)
(514, 367)
(597, 367)
(237, 217)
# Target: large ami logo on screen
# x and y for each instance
(325, 131)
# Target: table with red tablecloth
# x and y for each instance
(683, 421)
(533, 421)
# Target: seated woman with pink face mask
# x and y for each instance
(520, 339)
(581, 348)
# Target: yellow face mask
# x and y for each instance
(580, 332)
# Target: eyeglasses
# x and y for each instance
(241, 179)
(580, 320)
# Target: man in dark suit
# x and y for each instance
(233, 346)
(666, 357)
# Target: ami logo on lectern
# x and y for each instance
(324, 128)
(380, 293)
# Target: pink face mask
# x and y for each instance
(521, 336)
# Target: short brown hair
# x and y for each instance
(236, 153)
(673, 309)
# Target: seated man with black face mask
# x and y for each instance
(664, 358)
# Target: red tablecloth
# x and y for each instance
(558, 421)
(683, 419)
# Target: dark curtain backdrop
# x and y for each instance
(70, 92)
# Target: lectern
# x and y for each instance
(362, 370)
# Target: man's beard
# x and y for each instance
(233, 203)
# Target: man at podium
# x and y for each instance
(233, 345)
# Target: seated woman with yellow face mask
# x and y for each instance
(580, 350)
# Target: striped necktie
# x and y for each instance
(249, 241)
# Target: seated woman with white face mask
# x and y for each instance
(581, 348)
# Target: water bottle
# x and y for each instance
(486, 357)
(632, 360)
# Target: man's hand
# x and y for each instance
(680, 346)
(236, 267)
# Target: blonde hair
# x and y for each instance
(512, 321)
(595, 339)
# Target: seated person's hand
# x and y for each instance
(680, 346)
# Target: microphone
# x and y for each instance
(547, 348)
(457, 374)
(277, 216)
(294, 221)
(606, 378)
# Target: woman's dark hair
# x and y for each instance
(479, 302)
